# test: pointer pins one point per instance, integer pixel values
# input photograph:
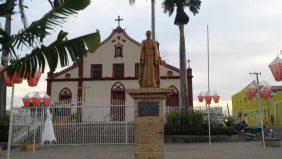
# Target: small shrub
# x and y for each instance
(4, 129)
(192, 123)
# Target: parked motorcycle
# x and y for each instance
(251, 132)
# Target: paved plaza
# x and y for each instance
(228, 150)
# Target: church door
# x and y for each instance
(117, 101)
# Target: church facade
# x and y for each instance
(109, 71)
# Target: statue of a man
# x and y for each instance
(149, 72)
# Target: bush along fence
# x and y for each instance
(194, 123)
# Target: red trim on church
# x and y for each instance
(190, 87)
(49, 82)
(80, 79)
(107, 79)
(119, 30)
(75, 64)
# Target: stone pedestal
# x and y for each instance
(149, 114)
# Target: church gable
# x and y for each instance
(117, 49)
(117, 52)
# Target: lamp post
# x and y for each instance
(10, 82)
(208, 99)
(256, 91)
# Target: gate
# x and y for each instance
(75, 123)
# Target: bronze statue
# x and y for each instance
(149, 72)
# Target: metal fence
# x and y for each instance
(75, 123)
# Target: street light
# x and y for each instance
(255, 90)
(10, 81)
(208, 99)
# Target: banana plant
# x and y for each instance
(32, 37)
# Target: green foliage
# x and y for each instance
(192, 123)
(4, 129)
(230, 122)
(60, 50)
(61, 9)
(181, 17)
(7, 8)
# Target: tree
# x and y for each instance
(152, 17)
(182, 19)
(32, 37)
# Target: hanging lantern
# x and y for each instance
(17, 79)
(201, 97)
(265, 92)
(251, 91)
(249, 95)
(8, 81)
(1, 68)
(216, 97)
(276, 68)
(208, 98)
(36, 99)
(46, 100)
(26, 101)
(33, 81)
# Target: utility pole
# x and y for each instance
(153, 20)
(260, 108)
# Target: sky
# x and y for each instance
(245, 36)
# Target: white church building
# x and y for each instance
(106, 74)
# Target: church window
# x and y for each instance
(169, 73)
(117, 101)
(96, 71)
(68, 75)
(172, 97)
(118, 71)
(118, 50)
(136, 69)
(65, 95)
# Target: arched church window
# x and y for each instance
(169, 73)
(65, 95)
(117, 101)
(172, 97)
(67, 75)
(118, 50)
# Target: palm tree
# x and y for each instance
(152, 17)
(182, 19)
(32, 37)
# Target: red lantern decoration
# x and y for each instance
(36, 99)
(17, 79)
(33, 81)
(26, 101)
(251, 91)
(8, 80)
(200, 97)
(249, 95)
(276, 68)
(216, 97)
(265, 92)
(46, 100)
(1, 68)
(208, 98)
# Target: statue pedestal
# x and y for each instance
(149, 114)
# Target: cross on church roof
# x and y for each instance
(189, 63)
(118, 20)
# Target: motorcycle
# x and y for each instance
(250, 133)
